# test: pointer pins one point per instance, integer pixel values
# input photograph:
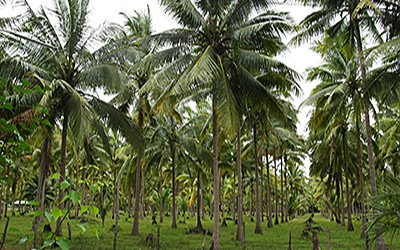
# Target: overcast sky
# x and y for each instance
(297, 58)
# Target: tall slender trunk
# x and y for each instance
(338, 219)
(77, 188)
(269, 207)
(130, 201)
(380, 243)
(239, 233)
(276, 191)
(361, 175)
(215, 165)
(6, 193)
(286, 191)
(282, 195)
(62, 169)
(160, 193)
(258, 229)
(199, 225)
(44, 168)
(346, 172)
(116, 214)
(135, 228)
(342, 223)
(262, 188)
(142, 207)
(221, 191)
(234, 198)
(173, 225)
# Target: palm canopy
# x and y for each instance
(57, 47)
(219, 42)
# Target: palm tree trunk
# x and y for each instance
(338, 219)
(116, 214)
(342, 223)
(258, 229)
(44, 168)
(62, 169)
(346, 172)
(215, 238)
(234, 198)
(199, 225)
(135, 228)
(286, 191)
(282, 196)
(239, 233)
(173, 225)
(269, 207)
(160, 193)
(262, 188)
(360, 167)
(222, 194)
(380, 243)
(276, 191)
(142, 207)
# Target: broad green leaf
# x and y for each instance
(47, 243)
(39, 89)
(47, 123)
(38, 212)
(56, 213)
(55, 176)
(84, 209)
(64, 185)
(48, 216)
(81, 227)
(64, 244)
(76, 197)
(95, 211)
(64, 199)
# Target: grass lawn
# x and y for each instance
(272, 238)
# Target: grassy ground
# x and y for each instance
(272, 238)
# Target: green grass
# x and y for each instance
(272, 238)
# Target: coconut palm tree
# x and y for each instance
(335, 16)
(56, 47)
(197, 58)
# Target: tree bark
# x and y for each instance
(258, 229)
(346, 172)
(62, 169)
(173, 225)
(199, 225)
(338, 219)
(239, 232)
(286, 191)
(215, 166)
(282, 195)
(342, 223)
(160, 193)
(269, 207)
(234, 198)
(276, 191)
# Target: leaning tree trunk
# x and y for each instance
(276, 191)
(380, 243)
(239, 233)
(269, 207)
(258, 229)
(173, 225)
(62, 170)
(346, 172)
(215, 238)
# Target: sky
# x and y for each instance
(297, 58)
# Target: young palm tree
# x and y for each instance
(197, 58)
